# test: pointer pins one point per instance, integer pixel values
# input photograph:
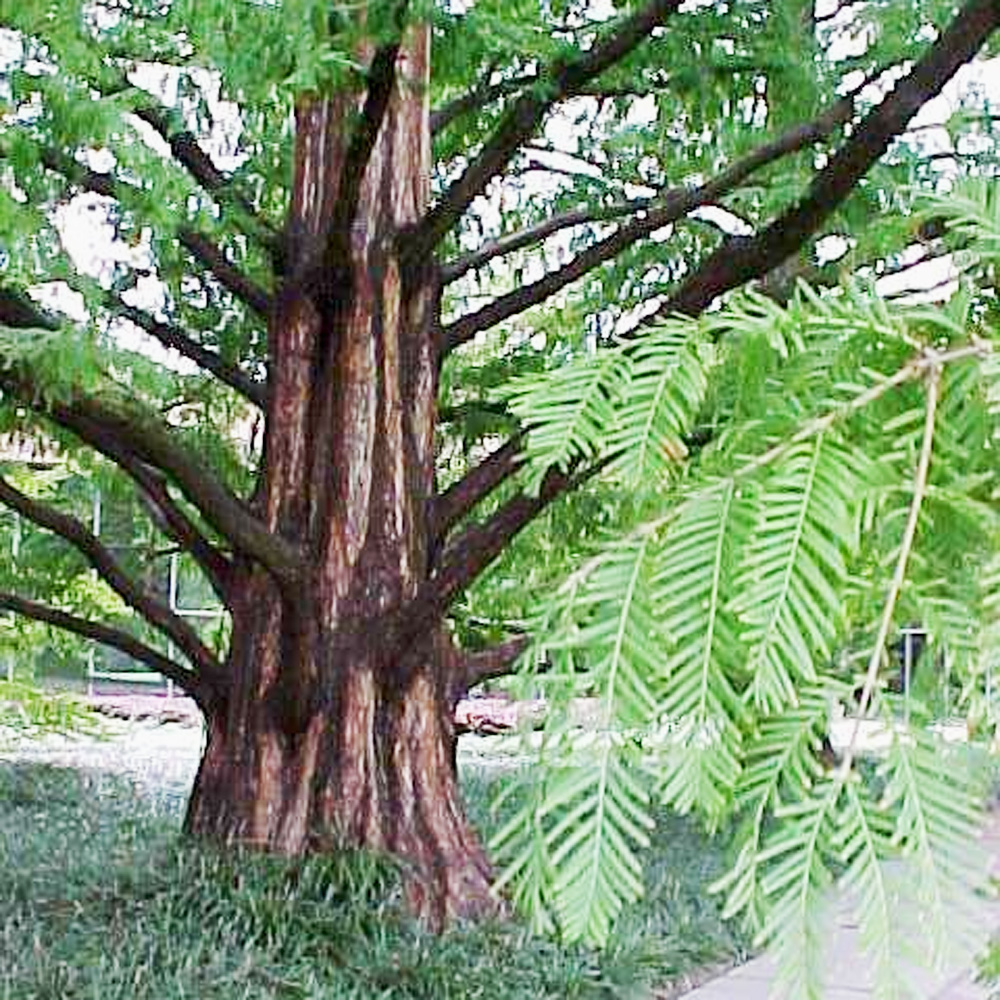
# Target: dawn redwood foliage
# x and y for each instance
(348, 222)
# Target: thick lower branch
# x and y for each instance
(19, 312)
(200, 688)
(113, 573)
(488, 664)
(133, 430)
(472, 551)
(460, 498)
(743, 259)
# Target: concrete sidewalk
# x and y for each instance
(848, 972)
(848, 977)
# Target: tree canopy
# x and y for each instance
(323, 306)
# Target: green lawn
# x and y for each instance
(101, 900)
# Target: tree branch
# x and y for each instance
(899, 575)
(465, 558)
(456, 501)
(107, 185)
(174, 337)
(662, 211)
(562, 79)
(114, 575)
(200, 688)
(114, 424)
(535, 234)
(213, 258)
(152, 487)
(481, 95)
(741, 259)
(185, 149)
(496, 661)
(19, 312)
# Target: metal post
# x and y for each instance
(174, 609)
(96, 513)
(173, 582)
(907, 671)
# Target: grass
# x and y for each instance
(102, 900)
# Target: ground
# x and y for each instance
(95, 870)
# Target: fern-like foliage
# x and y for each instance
(933, 794)
(700, 760)
(797, 856)
(632, 402)
(790, 580)
(603, 822)
(794, 480)
(569, 411)
(664, 393)
(576, 851)
(780, 761)
(863, 841)
(971, 212)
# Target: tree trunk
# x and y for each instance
(337, 729)
(373, 766)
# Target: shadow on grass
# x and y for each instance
(103, 900)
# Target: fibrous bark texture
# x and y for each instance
(338, 725)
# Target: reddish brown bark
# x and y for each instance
(370, 764)
(338, 726)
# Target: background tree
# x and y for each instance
(418, 203)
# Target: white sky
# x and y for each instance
(90, 241)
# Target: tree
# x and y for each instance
(326, 286)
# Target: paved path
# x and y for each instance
(848, 973)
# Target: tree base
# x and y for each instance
(375, 772)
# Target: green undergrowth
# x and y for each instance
(102, 900)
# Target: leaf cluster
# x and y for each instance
(715, 625)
